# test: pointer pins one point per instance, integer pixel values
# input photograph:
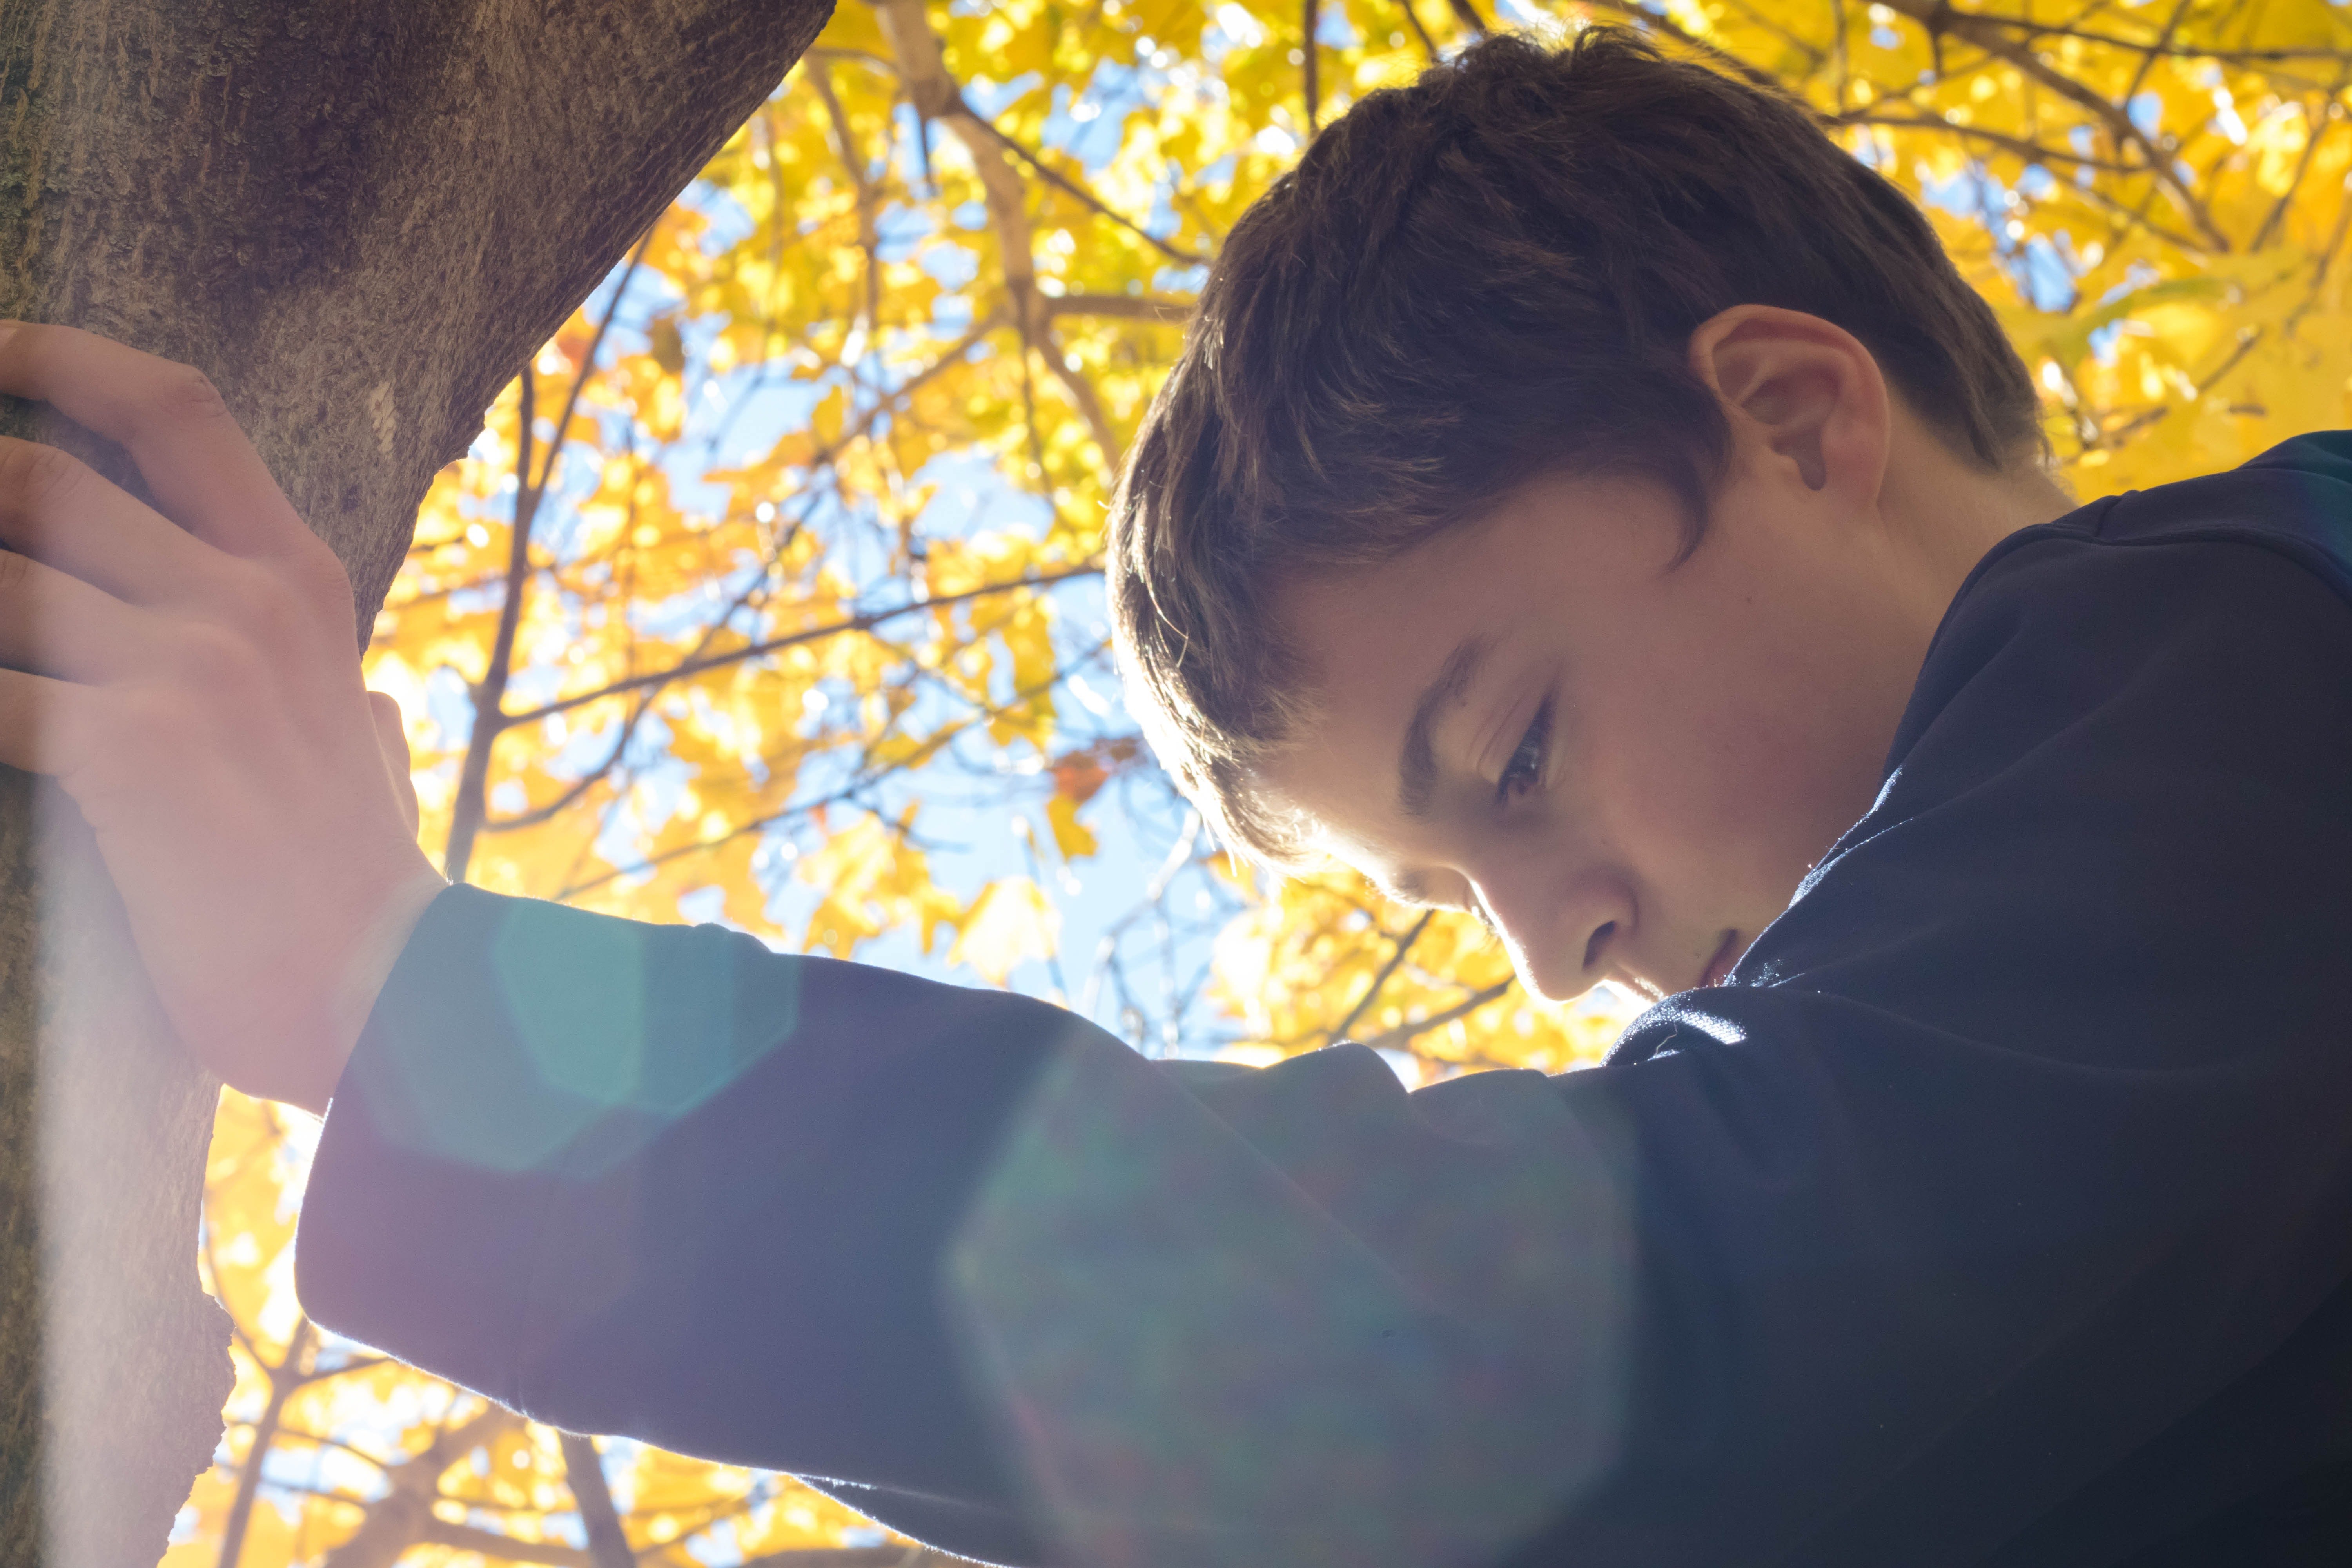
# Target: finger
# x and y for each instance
(61, 626)
(201, 469)
(57, 510)
(45, 724)
(390, 730)
(410, 811)
(391, 739)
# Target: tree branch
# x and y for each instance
(403, 1517)
(296, 1435)
(439, 1532)
(490, 695)
(934, 105)
(583, 1471)
(2036, 151)
(1132, 307)
(852, 791)
(814, 633)
(922, 71)
(1307, 69)
(2150, 56)
(1468, 12)
(2160, 45)
(357, 1363)
(2315, 128)
(284, 1379)
(1405, 1034)
(2031, 151)
(1088, 401)
(1396, 961)
(868, 237)
(581, 786)
(1071, 188)
(1938, 18)
(489, 692)
(1428, 44)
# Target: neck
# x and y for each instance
(1944, 513)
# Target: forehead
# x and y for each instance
(1376, 644)
(1551, 569)
(1545, 537)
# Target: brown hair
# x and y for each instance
(1466, 283)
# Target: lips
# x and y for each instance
(1720, 965)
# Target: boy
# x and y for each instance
(1588, 499)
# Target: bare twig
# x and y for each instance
(1938, 18)
(612, 758)
(2148, 56)
(583, 1471)
(1428, 44)
(1133, 307)
(855, 790)
(1071, 188)
(489, 1543)
(1405, 1034)
(2031, 150)
(1081, 390)
(357, 1363)
(296, 1435)
(403, 1517)
(1396, 959)
(1306, 68)
(2316, 128)
(862, 183)
(489, 694)
(1845, 63)
(922, 71)
(2161, 45)
(284, 1379)
(831, 629)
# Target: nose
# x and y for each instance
(1560, 930)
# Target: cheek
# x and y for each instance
(1730, 788)
(1745, 717)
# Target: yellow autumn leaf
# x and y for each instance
(1011, 922)
(1074, 838)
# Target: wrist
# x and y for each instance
(367, 965)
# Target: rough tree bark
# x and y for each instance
(359, 217)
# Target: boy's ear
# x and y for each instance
(1801, 389)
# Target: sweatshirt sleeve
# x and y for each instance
(1007, 1283)
(2022, 1134)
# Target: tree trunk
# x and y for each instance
(359, 217)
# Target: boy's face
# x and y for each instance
(1625, 763)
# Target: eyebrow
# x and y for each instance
(1417, 763)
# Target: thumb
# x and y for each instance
(391, 739)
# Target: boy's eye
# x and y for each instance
(1526, 766)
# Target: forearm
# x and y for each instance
(575, 1157)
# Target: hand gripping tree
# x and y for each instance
(357, 218)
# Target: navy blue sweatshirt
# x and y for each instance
(1996, 1210)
